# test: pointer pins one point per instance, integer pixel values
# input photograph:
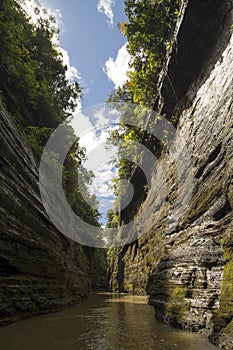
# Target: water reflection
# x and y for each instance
(103, 322)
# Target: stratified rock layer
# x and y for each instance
(40, 270)
(185, 260)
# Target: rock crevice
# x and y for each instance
(184, 265)
(40, 269)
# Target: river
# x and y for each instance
(104, 322)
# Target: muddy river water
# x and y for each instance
(103, 322)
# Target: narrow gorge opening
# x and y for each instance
(110, 206)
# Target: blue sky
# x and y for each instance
(91, 40)
(94, 51)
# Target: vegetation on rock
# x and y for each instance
(36, 92)
(150, 36)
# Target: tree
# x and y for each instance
(76, 180)
(149, 32)
(33, 77)
(34, 89)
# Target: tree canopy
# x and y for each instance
(35, 91)
(150, 35)
(33, 76)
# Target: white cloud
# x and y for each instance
(106, 6)
(72, 72)
(102, 182)
(93, 129)
(34, 13)
(116, 69)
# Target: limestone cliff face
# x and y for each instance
(187, 267)
(40, 270)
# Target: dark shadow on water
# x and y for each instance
(102, 322)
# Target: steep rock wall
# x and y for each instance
(187, 268)
(40, 270)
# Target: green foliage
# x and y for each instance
(37, 138)
(150, 35)
(224, 315)
(112, 219)
(35, 91)
(76, 180)
(33, 81)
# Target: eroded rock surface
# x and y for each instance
(40, 269)
(185, 260)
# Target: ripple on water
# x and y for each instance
(102, 322)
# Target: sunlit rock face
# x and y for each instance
(40, 269)
(185, 263)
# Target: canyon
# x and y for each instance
(184, 261)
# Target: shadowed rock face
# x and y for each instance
(186, 267)
(40, 269)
